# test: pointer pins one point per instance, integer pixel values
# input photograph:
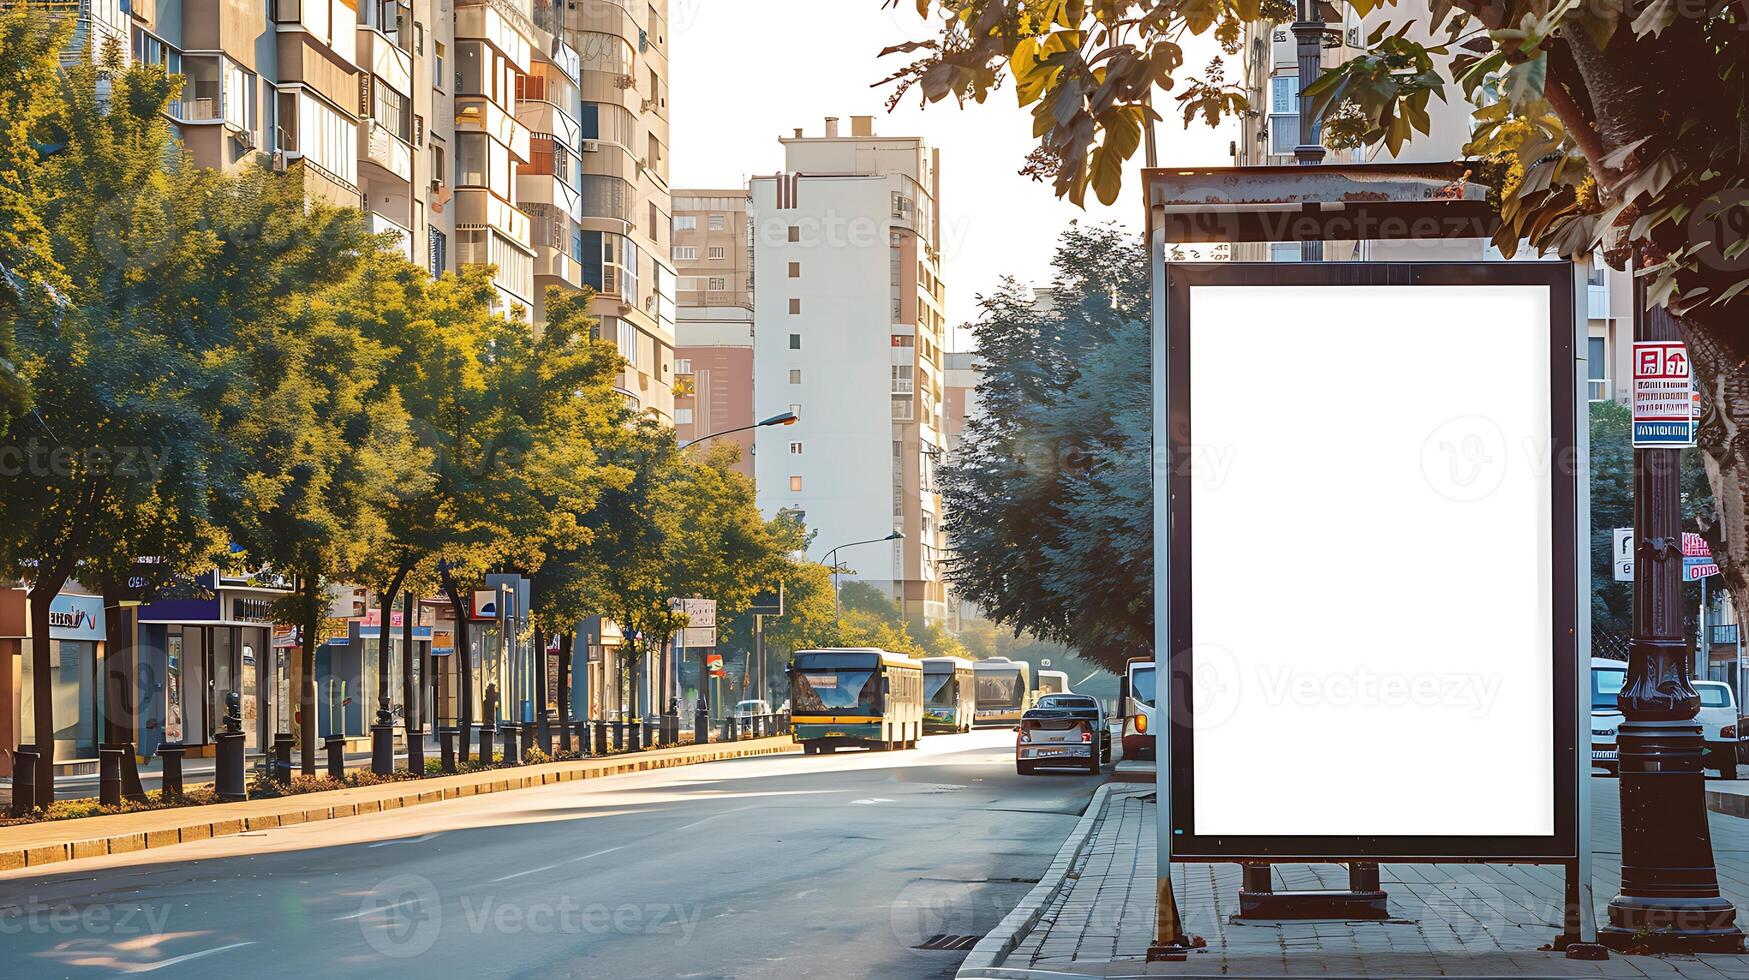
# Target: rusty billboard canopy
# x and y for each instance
(1323, 203)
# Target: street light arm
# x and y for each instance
(787, 418)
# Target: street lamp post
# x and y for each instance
(787, 418)
(1669, 900)
(832, 562)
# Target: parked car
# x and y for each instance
(1063, 730)
(1607, 678)
(1718, 725)
(748, 709)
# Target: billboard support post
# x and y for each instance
(1669, 900)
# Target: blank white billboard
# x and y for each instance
(1372, 607)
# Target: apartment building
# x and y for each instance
(1272, 84)
(713, 257)
(849, 334)
(622, 236)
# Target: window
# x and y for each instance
(1285, 251)
(685, 222)
(685, 253)
(628, 341)
(795, 449)
(795, 409)
(904, 340)
(718, 252)
(1597, 369)
(719, 222)
(438, 51)
(472, 73)
(655, 223)
(437, 248)
(795, 341)
(795, 307)
(795, 233)
(795, 376)
(590, 120)
(1284, 113)
(795, 270)
(1594, 273)
(904, 379)
(718, 283)
(795, 484)
(390, 109)
(683, 416)
(470, 159)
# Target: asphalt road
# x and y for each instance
(778, 866)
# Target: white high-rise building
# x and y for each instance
(849, 327)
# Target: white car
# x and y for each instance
(748, 709)
(1607, 678)
(1718, 725)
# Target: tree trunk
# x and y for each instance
(1718, 358)
(42, 677)
(409, 688)
(540, 675)
(119, 710)
(385, 641)
(464, 667)
(564, 692)
(310, 621)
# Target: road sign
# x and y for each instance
(698, 636)
(1663, 395)
(700, 613)
(713, 664)
(1622, 554)
(769, 602)
(1697, 558)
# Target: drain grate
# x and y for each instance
(948, 941)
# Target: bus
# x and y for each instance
(947, 695)
(1053, 682)
(1004, 691)
(1135, 705)
(855, 696)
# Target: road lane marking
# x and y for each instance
(560, 864)
(713, 816)
(404, 840)
(361, 913)
(184, 958)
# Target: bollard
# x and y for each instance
(600, 747)
(543, 732)
(416, 751)
(649, 725)
(488, 755)
(728, 729)
(619, 735)
(512, 742)
(446, 738)
(282, 764)
(228, 778)
(171, 753)
(109, 776)
(382, 741)
(24, 760)
(527, 731)
(565, 734)
(701, 724)
(336, 747)
(583, 747)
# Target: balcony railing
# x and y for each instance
(1725, 635)
(197, 110)
(1597, 389)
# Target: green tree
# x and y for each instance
(1588, 126)
(1056, 466)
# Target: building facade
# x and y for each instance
(850, 327)
(713, 257)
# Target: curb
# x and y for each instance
(986, 958)
(223, 819)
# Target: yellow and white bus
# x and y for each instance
(1004, 691)
(855, 696)
(947, 695)
(1052, 682)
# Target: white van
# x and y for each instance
(1718, 725)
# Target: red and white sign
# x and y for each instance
(1664, 399)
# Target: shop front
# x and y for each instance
(193, 653)
(76, 634)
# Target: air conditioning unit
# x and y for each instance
(279, 161)
(648, 105)
(591, 146)
(436, 184)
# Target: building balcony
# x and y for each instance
(382, 224)
(386, 150)
(480, 114)
(386, 60)
(552, 263)
(504, 24)
(541, 116)
(480, 207)
(1597, 300)
(546, 189)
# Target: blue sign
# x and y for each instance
(1673, 434)
(1696, 568)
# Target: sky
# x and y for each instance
(744, 72)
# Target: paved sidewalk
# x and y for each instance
(1449, 920)
(52, 841)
